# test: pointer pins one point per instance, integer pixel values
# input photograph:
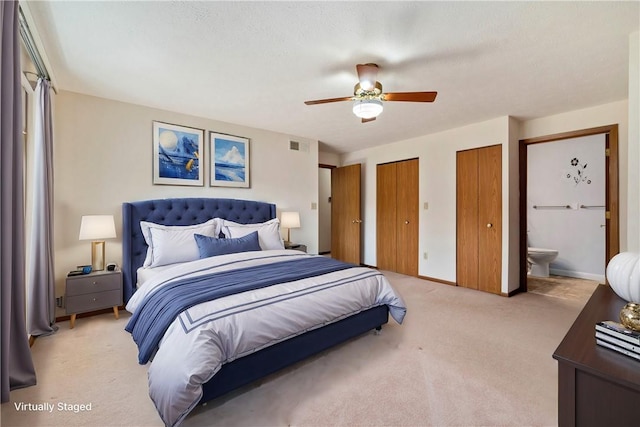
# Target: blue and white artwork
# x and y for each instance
(177, 152)
(230, 160)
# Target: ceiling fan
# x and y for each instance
(368, 96)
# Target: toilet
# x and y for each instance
(539, 260)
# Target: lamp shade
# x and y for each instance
(367, 108)
(290, 220)
(95, 227)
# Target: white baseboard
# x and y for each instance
(577, 274)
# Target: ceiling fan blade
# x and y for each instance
(324, 101)
(368, 120)
(367, 75)
(410, 96)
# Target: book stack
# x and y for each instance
(615, 336)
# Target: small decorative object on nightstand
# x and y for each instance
(295, 246)
(94, 291)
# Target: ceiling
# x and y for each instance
(255, 63)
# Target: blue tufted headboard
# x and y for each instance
(180, 211)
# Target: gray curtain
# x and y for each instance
(16, 365)
(41, 287)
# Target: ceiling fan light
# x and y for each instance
(366, 85)
(367, 108)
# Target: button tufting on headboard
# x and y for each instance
(182, 211)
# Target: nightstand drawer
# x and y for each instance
(92, 283)
(93, 301)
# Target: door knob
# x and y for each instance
(406, 222)
(489, 225)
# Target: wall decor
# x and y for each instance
(229, 160)
(578, 174)
(176, 154)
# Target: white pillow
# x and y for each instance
(268, 232)
(167, 238)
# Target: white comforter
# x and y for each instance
(206, 336)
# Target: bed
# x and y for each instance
(246, 364)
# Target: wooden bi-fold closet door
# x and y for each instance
(397, 216)
(479, 218)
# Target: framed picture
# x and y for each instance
(229, 160)
(177, 151)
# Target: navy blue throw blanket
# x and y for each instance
(158, 310)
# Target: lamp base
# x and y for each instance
(97, 255)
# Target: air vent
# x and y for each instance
(294, 145)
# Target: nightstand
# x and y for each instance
(94, 291)
(295, 246)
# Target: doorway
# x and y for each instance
(324, 209)
(611, 198)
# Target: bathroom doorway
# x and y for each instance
(324, 209)
(574, 174)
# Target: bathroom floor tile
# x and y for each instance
(562, 287)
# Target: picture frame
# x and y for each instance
(230, 160)
(177, 154)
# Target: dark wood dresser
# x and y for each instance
(596, 386)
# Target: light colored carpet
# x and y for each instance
(462, 358)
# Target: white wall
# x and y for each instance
(103, 157)
(512, 260)
(552, 180)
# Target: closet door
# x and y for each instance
(397, 217)
(386, 213)
(407, 217)
(490, 219)
(467, 221)
(479, 218)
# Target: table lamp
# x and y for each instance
(290, 220)
(97, 228)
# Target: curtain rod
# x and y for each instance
(32, 49)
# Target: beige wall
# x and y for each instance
(103, 157)
(326, 158)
